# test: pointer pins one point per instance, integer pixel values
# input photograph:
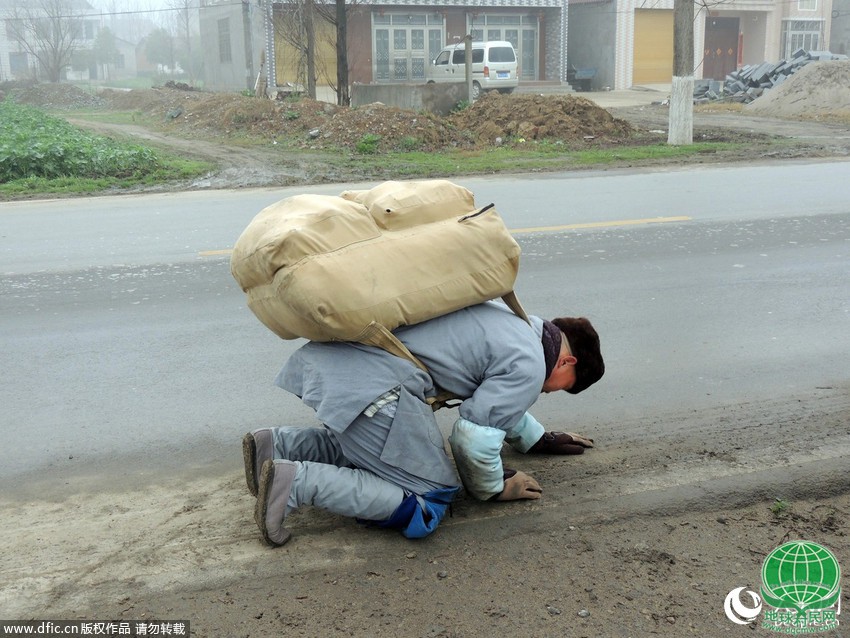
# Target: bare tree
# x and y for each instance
(681, 118)
(183, 20)
(296, 28)
(48, 30)
(159, 49)
(342, 96)
(335, 14)
(105, 50)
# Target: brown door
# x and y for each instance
(720, 56)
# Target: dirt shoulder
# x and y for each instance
(644, 535)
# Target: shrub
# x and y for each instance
(409, 143)
(461, 106)
(368, 144)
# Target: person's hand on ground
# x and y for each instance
(519, 485)
(561, 443)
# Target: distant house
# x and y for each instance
(394, 41)
(630, 42)
(233, 39)
(123, 66)
(616, 43)
(144, 67)
(17, 60)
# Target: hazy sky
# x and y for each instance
(161, 12)
(152, 8)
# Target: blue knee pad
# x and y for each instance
(417, 521)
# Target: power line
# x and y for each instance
(101, 14)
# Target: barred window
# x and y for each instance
(800, 34)
(224, 53)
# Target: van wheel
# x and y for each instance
(476, 90)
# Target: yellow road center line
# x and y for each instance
(622, 222)
(538, 229)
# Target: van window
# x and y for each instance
(502, 54)
(459, 56)
(442, 59)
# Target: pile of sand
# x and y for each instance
(818, 91)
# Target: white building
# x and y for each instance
(19, 17)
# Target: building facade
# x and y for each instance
(233, 40)
(21, 17)
(621, 43)
(392, 42)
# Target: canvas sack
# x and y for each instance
(355, 267)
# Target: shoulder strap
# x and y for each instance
(513, 303)
(377, 335)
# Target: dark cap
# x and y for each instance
(584, 345)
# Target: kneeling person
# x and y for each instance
(381, 457)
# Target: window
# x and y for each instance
(18, 64)
(11, 32)
(807, 5)
(460, 56)
(800, 34)
(224, 54)
(502, 54)
(442, 59)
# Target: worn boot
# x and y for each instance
(274, 486)
(257, 448)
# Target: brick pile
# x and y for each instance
(752, 80)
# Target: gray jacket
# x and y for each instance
(484, 353)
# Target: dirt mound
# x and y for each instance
(397, 129)
(306, 123)
(61, 97)
(537, 117)
(818, 91)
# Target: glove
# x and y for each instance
(518, 485)
(560, 443)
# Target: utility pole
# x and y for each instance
(467, 59)
(681, 125)
(248, 45)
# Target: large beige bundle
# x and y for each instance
(355, 267)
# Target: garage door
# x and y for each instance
(653, 61)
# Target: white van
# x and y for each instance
(494, 66)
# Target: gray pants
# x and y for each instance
(343, 473)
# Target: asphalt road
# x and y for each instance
(128, 350)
